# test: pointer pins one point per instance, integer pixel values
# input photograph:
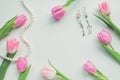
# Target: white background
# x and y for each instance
(61, 42)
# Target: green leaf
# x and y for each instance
(106, 22)
(58, 72)
(6, 29)
(24, 74)
(113, 53)
(4, 66)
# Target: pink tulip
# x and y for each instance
(104, 8)
(104, 37)
(90, 67)
(21, 64)
(20, 20)
(58, 12)
(12, 45)
(48, 73)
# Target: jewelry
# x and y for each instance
(79, 19)
(89, 27)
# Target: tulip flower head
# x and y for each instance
(48, 73)
(20, 20)
(90, 67)
(105, 8)
(21, 64)
(12, 45)
(104, 36)
(58, 12)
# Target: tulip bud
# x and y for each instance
(105, 8)
(104, 37)
(48, 73)
(20, 20)
(58, 12)
(90, 67)
(21, 64)
(12, 45)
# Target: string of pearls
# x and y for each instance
(25, 27)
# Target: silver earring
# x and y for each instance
(79, 19)
(89, 27)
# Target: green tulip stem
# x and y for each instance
(4, 66)
(68, 3)
(111, 47)
(115, 28)
(100, 76)
(23, 75)
(58, 72)
(60, 77)
(113, 53)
